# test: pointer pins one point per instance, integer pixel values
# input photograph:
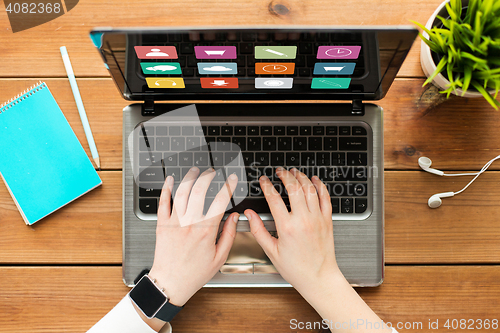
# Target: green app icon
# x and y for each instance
(275, 52)
(161, 67)
(330, 83)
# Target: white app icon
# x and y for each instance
(334, 69)
(338, 52)
(162, 68)
(215, 52)
(273, 83)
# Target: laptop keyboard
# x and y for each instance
(337, 153)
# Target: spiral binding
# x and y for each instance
(15, 100)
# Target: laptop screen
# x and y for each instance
(254, 64)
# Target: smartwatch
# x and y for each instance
(152, 300)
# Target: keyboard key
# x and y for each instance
(325, 174)
(323, 159)
(345, 130)
(147, 131)
(252, 174)
(266, 130)
(347, 205)
(269, 143)
(212, 190)
(315, 143)
(218, 159)
(335, 205)
(193, 143)
(318, 130)
(162, 144)
(174, 130)
(161, 131)
(361, 205)
(148, 159)
(331, 130)
(230, 157)
(151, 174)
(240, 130)
(222, 144)
(248, 158)
(254, 144)
(357, 130)
(145, 144)
(255, 190)
(262, 159)
(357, 159)
(350, 174)
(201, 159)
(307, 159)
(284, 143)
(338, 159)
(305, 130)
(240, 142)
(253, 130)
(148, 206)
(360, 190)
(178, 144)
(213, 130)
(170, 159)
(200, 130)
(292, 130)
(241, 190)
(187, 130)
(152, 190)
(353, 143)
(174, 172)
(299, 143)
(186, 159)
(330, 143)
(277, 159)
(227, 130)
(292, 159)
(279, 130)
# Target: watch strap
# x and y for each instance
(168, 312)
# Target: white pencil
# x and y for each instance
(79, 105)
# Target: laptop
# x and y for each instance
(269, 96)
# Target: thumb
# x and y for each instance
(226, 238)
(259, 231)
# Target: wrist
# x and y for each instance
(176, 295)
(328, 282)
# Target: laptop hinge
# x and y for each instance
(148, 108)
(358, 108)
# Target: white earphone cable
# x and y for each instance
(485, 167)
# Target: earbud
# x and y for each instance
(425, 163)
(435, 201)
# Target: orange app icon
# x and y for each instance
(274, 68)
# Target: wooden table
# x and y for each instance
(64, 273)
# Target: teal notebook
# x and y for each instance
(42, 163)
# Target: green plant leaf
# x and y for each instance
(486, 95)
(439, 68)
(467, 79)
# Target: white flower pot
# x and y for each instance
(428, 65)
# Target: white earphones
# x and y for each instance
(435, 200)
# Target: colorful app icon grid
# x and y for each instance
(330, 83)
(215, 52)
(334, 68)
(275, 52)
(273, 83)
(219, 82)
(161, 68)
(165, 82)
(227, 68)
(274, 68)
(338, 52)
(156, 52)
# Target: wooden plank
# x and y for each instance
(464, 230)
(458, 134)
(35, 52)
(72, 299)
(88, 230)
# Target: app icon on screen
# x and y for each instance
(334, 68)
(219, 82)
(161, 68)
(274, 68)
(215, 52)
(217, 68)
(338, 52)
(165, 82)
(273, 83)
(275, 52)
(156, 52)
(330, 83)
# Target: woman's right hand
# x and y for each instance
(304, 252)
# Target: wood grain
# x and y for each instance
(464, 230)
(28, 54)
(458, 134)
(72, 299)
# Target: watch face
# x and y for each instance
(147, 297)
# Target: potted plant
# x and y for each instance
(460, 51)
